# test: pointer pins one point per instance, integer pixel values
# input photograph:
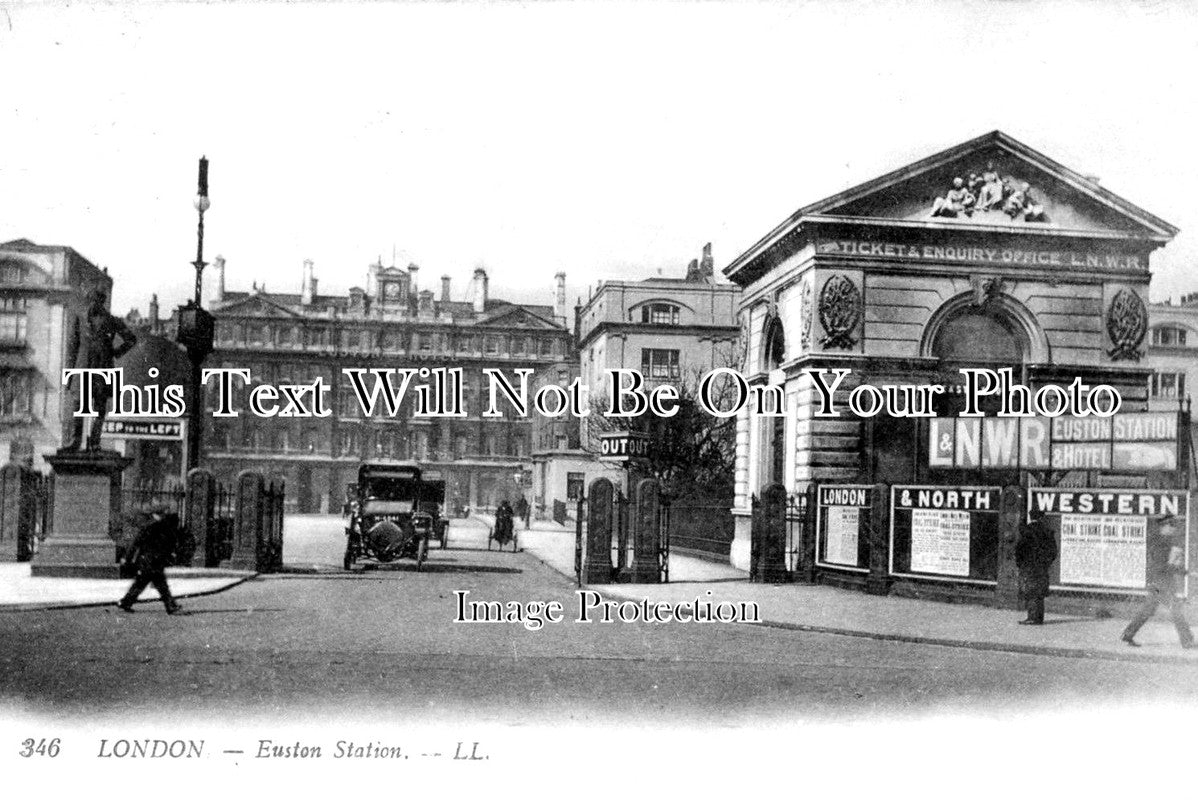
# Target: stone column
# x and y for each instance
(878, 581)
(247, 524)
(769, 536)
(600, 522)
(1010, 521)
(201, 503)
(87, 516)
(645, 533)
(12, 503)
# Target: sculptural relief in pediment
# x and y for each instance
(986, 192)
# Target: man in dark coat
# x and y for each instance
(522, 510)
(152, 552)
(1165, 570)
(1035, 553)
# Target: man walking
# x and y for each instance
(522, 510)
(1165, 571)
(1035, 553)
(152, 552)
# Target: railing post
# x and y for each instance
(200, 500)
(600, 519)
(247, 523)
(13, 488)
(769, 536)
(645, 532)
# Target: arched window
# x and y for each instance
(774, 352)
(975, 335)
(659, 314)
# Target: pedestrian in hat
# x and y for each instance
(1165, 571)
(151, 553)
(1035, 553)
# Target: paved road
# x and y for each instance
(381, 644)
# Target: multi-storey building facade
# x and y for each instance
(671, 329)
(390, 323)
(988, 254)
(43, 295)
(1172, 352)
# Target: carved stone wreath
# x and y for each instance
(806, 311)
(839, 312)
(1126, 324)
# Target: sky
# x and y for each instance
(607, 141)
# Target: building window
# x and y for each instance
(574, 482)
(345, 442)
(14, 273)
(518, 345)
(1167, 385)
(659, 314)
(563, 443)
(1169, 336)
(660, 364)
(16, 393)
(420, 445)
(563, 377)
(426, 343)
(13, 327)
(546, 347)
(492, 344)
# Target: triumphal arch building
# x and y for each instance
(986, 254)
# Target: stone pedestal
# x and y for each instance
(87, 516)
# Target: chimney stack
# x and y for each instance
(413, 273)
(217, 293)
(153, 313)
(444, 288)
(559, 297)
(308, 289)
(372, 277)
(707, 265)
(480, 290)
(692, 271)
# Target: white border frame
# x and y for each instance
(941, 578)
(819, 514)
(1090, 589)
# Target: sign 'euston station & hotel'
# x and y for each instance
(1136, 442)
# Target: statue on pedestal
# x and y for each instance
(93, 347)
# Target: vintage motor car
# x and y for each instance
(395, 514)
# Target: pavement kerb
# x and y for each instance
(619, 593)
(69, 604)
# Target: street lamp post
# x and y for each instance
(196, 329)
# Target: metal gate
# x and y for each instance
(781, 544)
(620, 553)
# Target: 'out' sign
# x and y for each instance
(623, 445)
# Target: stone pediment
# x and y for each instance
(993, 181)
(516, 317)
(257, 305)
